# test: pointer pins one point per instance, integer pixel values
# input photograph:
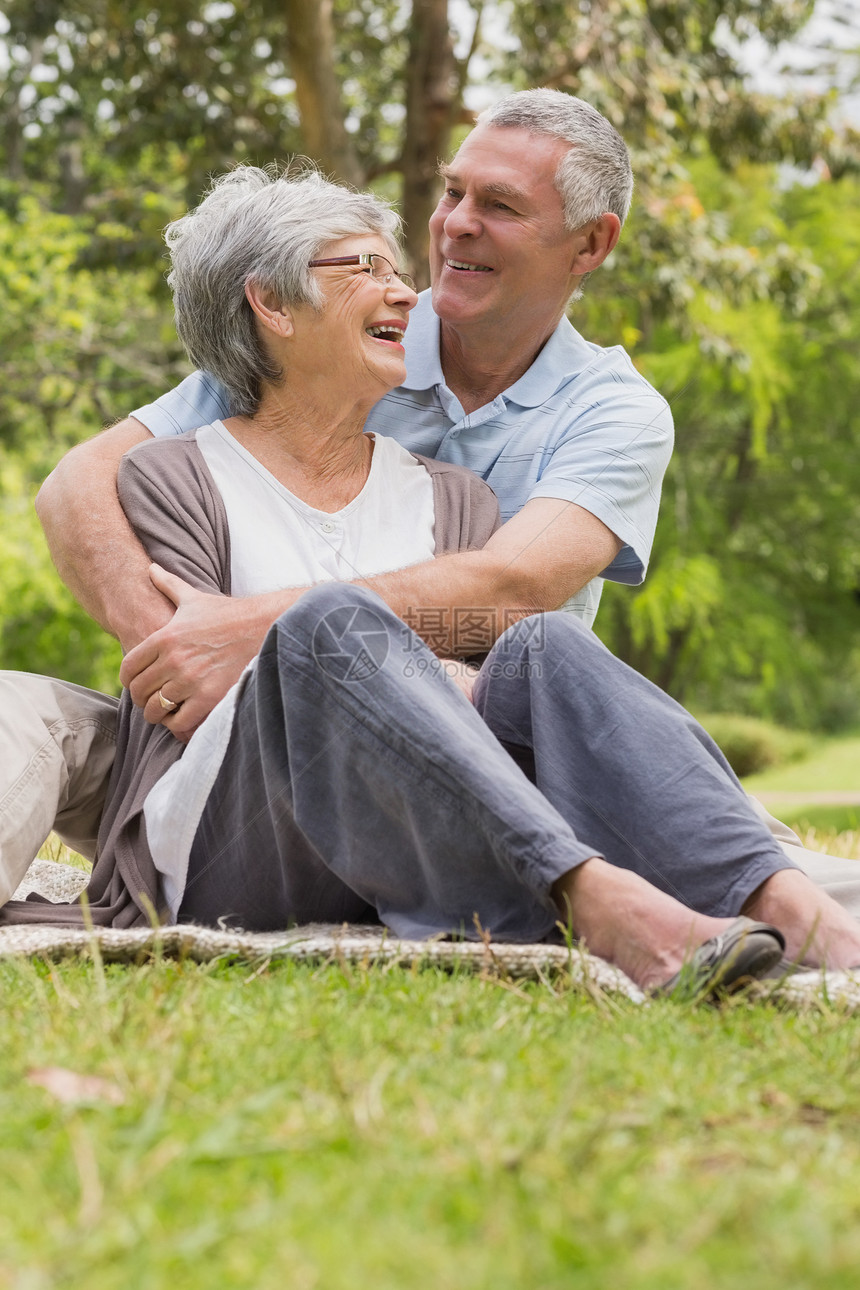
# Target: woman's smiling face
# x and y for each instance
(356, 336)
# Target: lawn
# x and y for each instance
(832, 767)
(340, 1128)
(337, 1127)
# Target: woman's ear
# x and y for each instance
(594, 241)
(272, 314)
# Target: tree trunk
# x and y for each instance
(310, 49)
(73, 175)
(432, 104)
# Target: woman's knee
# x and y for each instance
(343, 629)
(549, 636)
(326, 598)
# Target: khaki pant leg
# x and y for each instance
(57, 743)
(780, 831)
(840, 878)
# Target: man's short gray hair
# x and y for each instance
(595, 174)
(257, 226)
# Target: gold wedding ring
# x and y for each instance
(166, 705)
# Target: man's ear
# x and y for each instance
(593, 243)
(273, 315)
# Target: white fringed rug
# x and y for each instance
(319, 943)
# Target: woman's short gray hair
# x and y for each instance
(595, 174)
(257, 226)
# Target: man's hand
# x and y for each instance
(196, 658)
(464, 675)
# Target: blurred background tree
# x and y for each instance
(735, 287)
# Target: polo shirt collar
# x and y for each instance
(421, 342)
(564, 355)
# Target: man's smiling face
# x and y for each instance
(499, 250)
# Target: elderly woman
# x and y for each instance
(346, 777)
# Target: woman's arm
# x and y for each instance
(176, 511)
(90, 538)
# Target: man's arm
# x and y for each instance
(96, 554)
(535, 562)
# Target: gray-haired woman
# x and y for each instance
(345, 776)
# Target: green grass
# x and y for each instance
(807, 818)
(338, 1128)
(341, 1128)
(54, 849)
(834, 767)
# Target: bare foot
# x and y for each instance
(817, 931)
(625, 920)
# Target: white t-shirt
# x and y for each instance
(278, 541)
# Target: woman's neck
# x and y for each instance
(321, 459)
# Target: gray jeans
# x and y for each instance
(56, 752)
(360, 782)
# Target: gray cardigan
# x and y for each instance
(176, 510)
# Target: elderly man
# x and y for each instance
(572, 439)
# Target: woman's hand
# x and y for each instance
(201, 652)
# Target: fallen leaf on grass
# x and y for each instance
(69, 1086)
(810, 1113)
(771, 1096)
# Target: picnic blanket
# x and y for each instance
(319, 943)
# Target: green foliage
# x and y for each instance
(95, 89)
(104, 81)
(79, 345)
(751, 745)
(752, 600)
(42, 629)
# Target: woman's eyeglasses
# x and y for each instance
(380, 269)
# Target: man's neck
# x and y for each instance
(478, 369)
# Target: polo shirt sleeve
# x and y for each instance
(197, 401)
(609, 456)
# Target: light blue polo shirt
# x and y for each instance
(581, 425)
